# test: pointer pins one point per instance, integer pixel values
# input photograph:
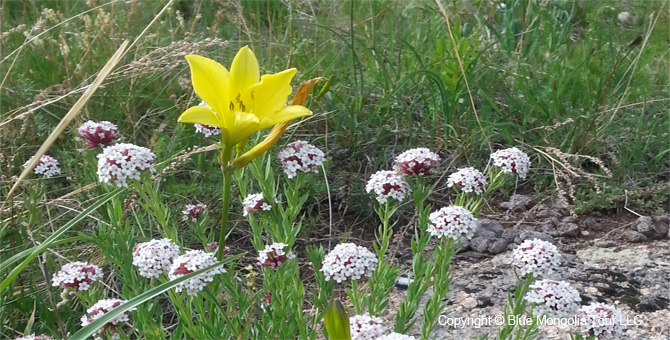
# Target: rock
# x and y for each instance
(634, 236)
(592, 224)
(568, 219)
(469, 303)
(549, 229)
(651, 303)
(511, 234)
(497, 246)
(646, 226)
(528, 234)
(568, 230)
(516, 203)
(547, 213)
(488, 228)
(480, 244)
(605, 244)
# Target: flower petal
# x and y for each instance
(210, 82)
(200, 115)
(245, 124)
(285, 114)
(271, 94)
(244, 71)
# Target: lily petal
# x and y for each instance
(287, 113)
(244, 71)
(245, 124)
(271, 94)
(210, 81)
(200, 115)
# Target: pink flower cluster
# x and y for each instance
(388, 184)
(193, 211)
(396, 336)
(120, 162)
(47, 166)
(103, 307)
(468, 180)
(254, 202)
(348, 261)
(77, 275)
(190, 262)
(301, 156)
(603, 321)
(155, 257)
(536, 257)
(98, 133)
(512, 160)
(274, 255)
(34, 337)
(554, 298)
(453, 222)
(413, 162)
(366, 327)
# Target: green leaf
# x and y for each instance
(51, 240)
(337, 322)
(94, 326)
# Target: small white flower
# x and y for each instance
(47, 166)
(77, 275)
(120, 162)
(154, 257)
(603, 321)
(388, 184)
(513, 161)
(365, 327)
(190, 262)
(98, 133)
(193, 211)
(453, 222)
(420, 161)
(274, 255)
(396, 336)
(469, 180)
(554, 298)
(301, 156)
(536, 257)
(103, 307)
(34, 337)
(254, 202)
(348, 261)
(207, 130)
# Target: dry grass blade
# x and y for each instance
(106, 70)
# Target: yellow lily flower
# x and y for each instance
(240, 102)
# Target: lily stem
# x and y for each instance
(224, 158)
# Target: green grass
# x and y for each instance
(542, 74)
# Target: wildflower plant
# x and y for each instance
(47, 166)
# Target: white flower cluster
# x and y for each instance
(603, 321)
(207, 130)
(120, 162)
(469, 180)
(301, 156)
(77, 275)
(453, 222)
(365, 327)
(154, 257)
(420, 161)
(554, 298)
(101, 308)
(388, 184)
(274, 255)
(193, 211)
(47, 166)
(396, 336)
(34, 337)
(512, 160)
(254, 202)
(536, 257)
(348, 261)
(190, 262)
(98, 133)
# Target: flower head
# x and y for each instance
(77, 275)
(348, 261)
(366, 327)
(103, 307)
(603, 321)
(193, 211)
(453, 222)
(154, 257)
(120, 162)
(301, 156)
(420, 161)
(469, 180)
(388, 184)
(513, 161)
(536, 257)
(274, 255)
(254, 202)
(207, 130)
(47, 166)
(554, 298)
(241, 102)
(396, 336)
(190, 262)
(34, 337)
(98, 133)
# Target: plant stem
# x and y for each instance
(226, 152)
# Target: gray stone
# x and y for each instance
(549, 229)
(592, 224)
(634, 236)
(605, 244)
(498, 246)
(547, 213)
(480, 244)
(488, 228)
(646, 226)
(516, 203)
(568, 219)
(568, 230)
(529, 234)
(511, 234)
